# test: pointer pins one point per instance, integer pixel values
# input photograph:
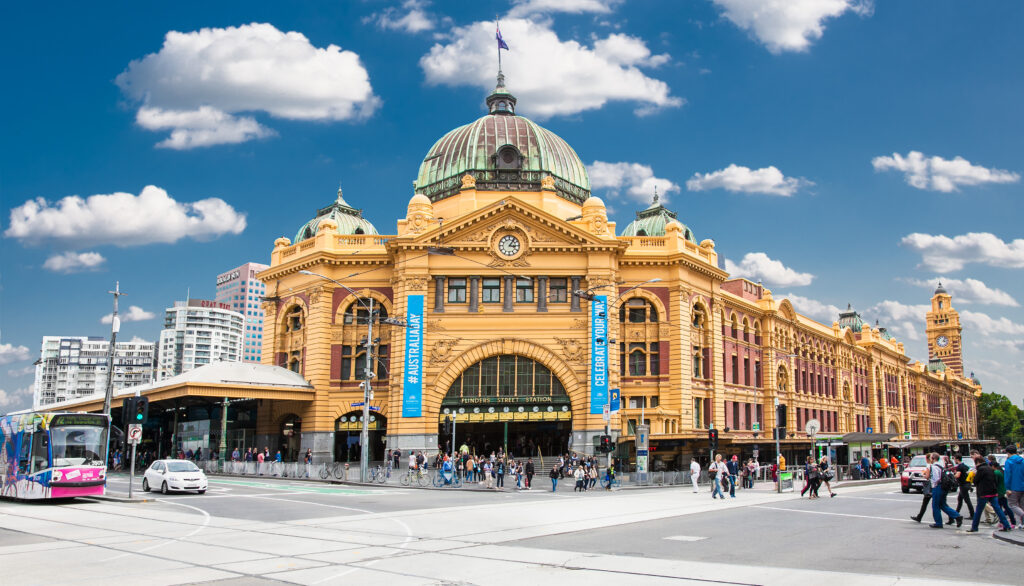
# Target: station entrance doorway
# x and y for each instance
(507, 403)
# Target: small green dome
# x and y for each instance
(652, 222)
(348, 219)
(936, 365)
(502, 151)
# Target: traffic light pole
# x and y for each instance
(778, 451)
(115, 325)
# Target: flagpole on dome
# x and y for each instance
(501, 45)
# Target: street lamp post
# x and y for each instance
(366, 385)
(115, 325)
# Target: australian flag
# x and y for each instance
(501, 42)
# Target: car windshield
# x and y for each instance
(918, 462)
(181, 466)
(78, 445)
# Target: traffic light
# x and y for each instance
(127, 409)
(606, 446)
(447, 425)
(141, 410)
(713, 438)
(781, 416)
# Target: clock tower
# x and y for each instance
(943, 329)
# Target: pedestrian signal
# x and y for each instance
(606, 446)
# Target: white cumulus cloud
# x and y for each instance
(788, 25)
(636, 180)
(550, 76)
(410, 17)
(986, 325)
(529, 7)
(969, 291)
(767, 180)
(74, 262)
(199, 82)
(10, 353)
(825, 313)
(943, 254)
(758, 266)
(134, 313)
(901, 320)
(940, 174)
(122, 219)
(23, 371)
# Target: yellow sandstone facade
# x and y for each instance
(501, 231)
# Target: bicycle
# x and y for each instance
(615, 482)
(337, 470)
(415, 477)
(381, 474)
(444, 478)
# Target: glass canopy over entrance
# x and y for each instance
(507, 388)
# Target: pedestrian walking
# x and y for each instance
(694, 473)
(1013, 473)
(988, 493)
(1001, 489)
(733, 465)
(578, 475)
(719, 472)
(529, 474)
(500, 465)
(961, 470)
(825, 475)
(554, 477)
(940, 488)
(308, 459)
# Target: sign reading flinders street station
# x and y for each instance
(517, 315)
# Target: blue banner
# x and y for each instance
(412, 374)
(598, 354)
(615, 400)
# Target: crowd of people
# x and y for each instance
(1000, 490)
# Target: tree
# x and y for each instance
(1000, 419)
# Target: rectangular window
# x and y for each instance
(736, 414)
(346, 362)
(622, 359)
(698, 413)
(746, 414)
(559, 291)
(637, 359)
(456, 290)
(757, 373)
(654, 358)
(746, 371)
(524, 290)
(735, 370)
(491, 292)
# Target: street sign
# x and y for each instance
(359, 404)
(607, 415)
(906, 435)
(757, 426)
(134, 433)
(871, 430)
(959, 435)
(372, 408)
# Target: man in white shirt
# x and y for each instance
(694, 473)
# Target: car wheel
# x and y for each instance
(906, 490)
(145, 484)
(163, 488)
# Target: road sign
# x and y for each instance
(134, 433)
(757, 426)
(607, 415)
(906, 435)
(959, 435)
(871, 430)
(359, 404)
(372, 408)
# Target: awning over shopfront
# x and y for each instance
(899, 445)
(234, 380)
(863, 438)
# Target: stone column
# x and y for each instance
(474, 294)
(542, 293)
(575, 303)
(439, 294)
(510, 293)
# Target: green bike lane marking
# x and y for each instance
(297, 487)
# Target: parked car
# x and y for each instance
(914, 476)
(168, 475)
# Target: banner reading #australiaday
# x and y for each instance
(412, 374)
(598, 354)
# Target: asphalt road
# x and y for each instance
(868, 532)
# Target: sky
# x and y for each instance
(839, 151)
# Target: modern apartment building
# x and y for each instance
(198, 332)
(240, 290)
(72, 367)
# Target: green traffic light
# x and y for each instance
(138, 416)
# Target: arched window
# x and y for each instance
(295, 361)
(506, 376)
(638, 310)
(293, 319)
(735, 327)
(637, 359)
(357, 311)
(700, 319)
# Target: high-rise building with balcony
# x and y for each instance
(72, 367)
(198, 332)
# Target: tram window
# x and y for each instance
(40, 455)
(23, 455)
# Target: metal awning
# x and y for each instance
(899, 445)
(924, 443)
(862, 438)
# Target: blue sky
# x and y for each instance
(841, 151)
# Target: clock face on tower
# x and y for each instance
(508, 245)
(942, 341)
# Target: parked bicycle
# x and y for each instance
(415, 478)
(381, 474)
(336, 469)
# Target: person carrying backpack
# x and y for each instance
(942, 482)
(988, 494)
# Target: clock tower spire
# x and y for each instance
(943, 328)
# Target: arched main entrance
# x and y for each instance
(349, 428)
(507, 401)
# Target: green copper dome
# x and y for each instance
(936, 365)
(652, 222)
(348, 219)
(503, 151)
(851, 319)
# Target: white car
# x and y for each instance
(168, 475)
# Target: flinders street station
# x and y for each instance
(504, 299)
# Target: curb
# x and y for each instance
(120, 499)
(865, 482)
(1008, 539)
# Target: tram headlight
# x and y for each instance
(56, 476)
